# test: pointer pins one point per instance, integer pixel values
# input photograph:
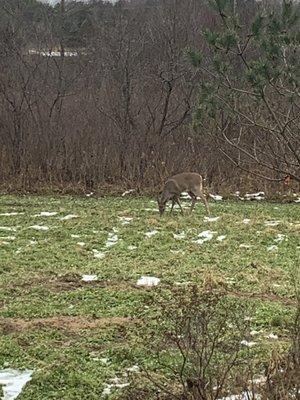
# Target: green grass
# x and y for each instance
(40, 278)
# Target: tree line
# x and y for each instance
(128, 93)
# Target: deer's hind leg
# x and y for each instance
(198, 192)
(194, 199)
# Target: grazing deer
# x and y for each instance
(190, 182)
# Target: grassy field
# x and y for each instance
(78, 335)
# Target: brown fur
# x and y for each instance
(190, 182)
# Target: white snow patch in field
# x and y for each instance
(255, 196)
(204, 237)
(75, 236)
(8, 214)
(254, 333)
(13, 381)
(182, 283)
(112, 240)
(151, 209)
(116, 383)
(98, 254)
(104, 360)
(248, 344)
(279, 238)
(127, 192)
(148, 281)
(246, 221)
(177, 251)
(69, 216)
(46, 214)
(211, 219)
(185, 195)
(8, 228)
(221, 238)
(245, 246)
(39, 227)
(134, 368)
(272, 223)
(242, 396)
(89, 278)
(216, 197)
(89, 194)
(130, 247)
(125, 220)
(3, 242)
(81, 244)
(7, 237)
(151, 233)
(272, 336)
(272, 248)
(179, 236)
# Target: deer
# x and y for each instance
(190, 182)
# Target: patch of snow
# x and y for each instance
(148, 281)
(89, 194)
(245, 246)
(125, 220)
(8, 214)
(180, 235)
(69, 216)
(185, 195)
(211, 219)
(246, 221)
(272, 223)
(279, 238)
(8, 228)
(132, 247)
(216, 197)
(8, 237)
(242, 396)
(272, 336)
(127, 192)
(221, 238)
(272, 248)
(98, 254)
(182, 283)
(112, 240)
(13, 381)
(116, 383)
(151, 233)
(255, 196)
(51, 53)
(89, 278)
(134, 368)
(177, 251)
(151, 209)
(204, 237)
(259, 380)
(248, 344)
(46, 214)
(75, 236)
(39, 227)
(81, 244)
(104, 360)
(32, 242)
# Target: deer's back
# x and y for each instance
(184, 181)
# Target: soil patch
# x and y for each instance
(68, 323)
